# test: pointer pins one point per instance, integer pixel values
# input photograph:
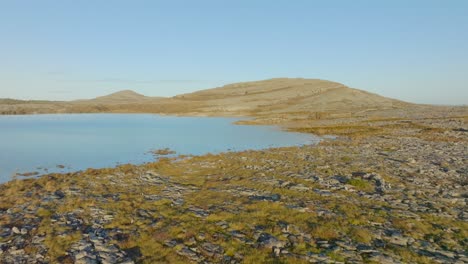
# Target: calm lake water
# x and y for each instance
(46, 143)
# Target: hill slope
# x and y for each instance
(122, 95)
(288, 96)
(282, 98)
(125, 96)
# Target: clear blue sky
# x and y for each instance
(410, 50)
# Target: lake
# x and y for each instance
(70, 142)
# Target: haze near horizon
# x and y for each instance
(65, 50)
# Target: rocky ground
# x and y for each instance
(383, 191)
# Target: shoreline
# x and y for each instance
(384, 191)
(44, 171)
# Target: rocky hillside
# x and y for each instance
(289, 96)
(267, 99)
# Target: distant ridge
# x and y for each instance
(277, 98)
(125, 95)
